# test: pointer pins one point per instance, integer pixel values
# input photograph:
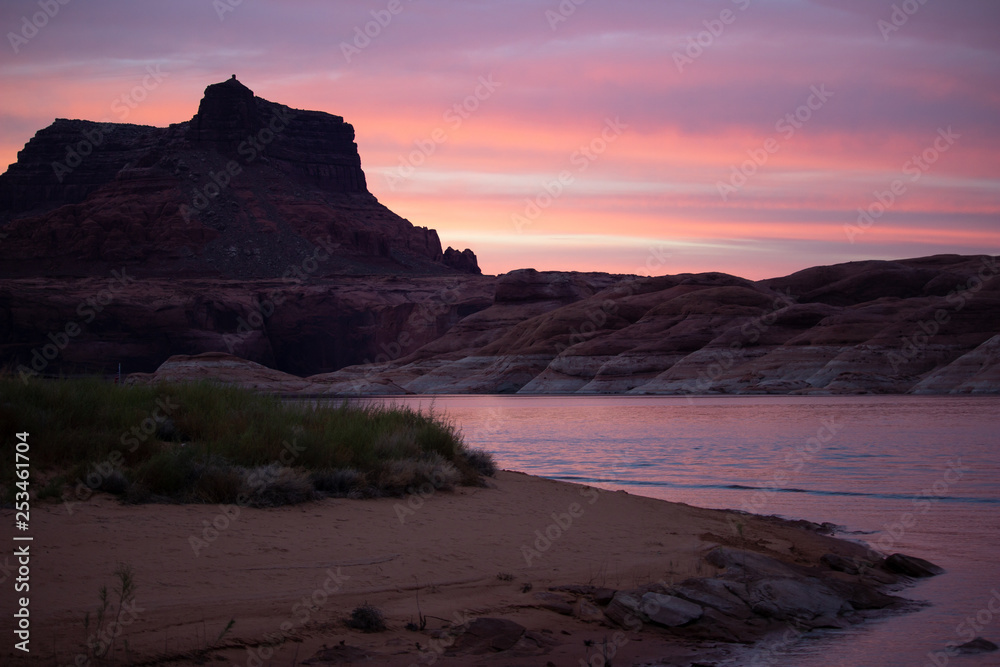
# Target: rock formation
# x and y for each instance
(536, 332)
(246, 189)
(926, 325)
(937, 331)
(249, 231)
(300, 326)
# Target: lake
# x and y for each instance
(918, 475)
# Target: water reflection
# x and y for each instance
(771, 455)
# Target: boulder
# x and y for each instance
(625, 610)
(669, 611)
(587, 611)
(603, 596)
(715, 593)
(912, 566)
(800, 598)
(561, 604)
(839, 563)
(749, 564)
(220, 367)
(862, 596)
(976, 646)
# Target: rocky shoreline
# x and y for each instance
(541, 572)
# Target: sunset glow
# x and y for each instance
(736, 135)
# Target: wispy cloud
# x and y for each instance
(658, 181)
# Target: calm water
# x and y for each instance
(861, 462)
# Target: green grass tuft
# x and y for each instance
(208, 443)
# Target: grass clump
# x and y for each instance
(367, 619)
(109, 619)
(341, 483)
(208, 443)
(482, 462)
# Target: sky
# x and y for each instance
(754, 137)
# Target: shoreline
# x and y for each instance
(289, 577)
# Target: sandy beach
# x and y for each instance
(289, 578)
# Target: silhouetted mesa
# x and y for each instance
(246, 189)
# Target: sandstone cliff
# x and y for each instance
(929, 325)
(246, 189)
(248, 233)
(90, 325)
(926, 325)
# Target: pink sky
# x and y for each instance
(638, 106)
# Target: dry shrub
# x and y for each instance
(400, 477)
(274, 485)
(482, 462)
(340, 483)
(219, 484)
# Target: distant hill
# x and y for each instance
(926, 325)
